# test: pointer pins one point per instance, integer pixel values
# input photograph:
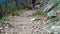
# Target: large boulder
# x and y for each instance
(51, 14)
(47, 5)
(56, 29)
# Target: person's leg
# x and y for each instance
(33, 5)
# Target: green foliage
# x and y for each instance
(7, 8)
(23, 6)
(53, 19)
(10, 6)
(40, 14)
(58, 0)
(3, 18)
(15, 13)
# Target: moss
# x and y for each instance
(3, 18)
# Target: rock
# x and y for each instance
(55, 29)
(58, 12)
(48, 7)
(1, 28)
(51, 13)
(58, 6)
(37, 6)
(48, 26)
(35, 19)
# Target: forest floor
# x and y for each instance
(23, 25)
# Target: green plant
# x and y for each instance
(53, 19)
(3, 18)
(57, 0)
(15, 13)
(40, 14)
(23, 6)
(10, 7)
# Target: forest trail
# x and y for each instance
(28, 13)
(23, 24)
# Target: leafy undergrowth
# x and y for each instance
(53, 19)
(39, 14)
(3, 18)
(12, 14)
(18, 12)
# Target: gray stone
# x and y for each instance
(58, 32)
(48, 26)
(55, 28)
(48, 7)
(51, 13)
(58, 6)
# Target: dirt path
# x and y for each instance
(24, 25)
(28, 13)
